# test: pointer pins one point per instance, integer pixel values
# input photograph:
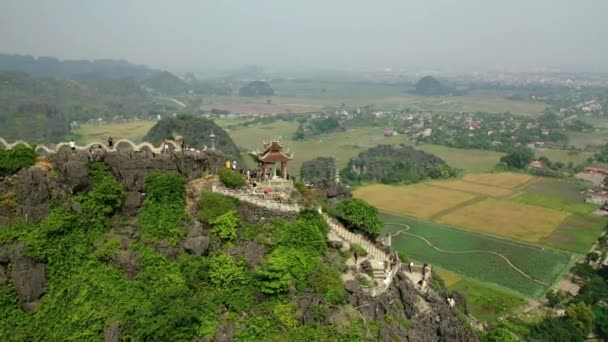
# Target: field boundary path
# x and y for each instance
(466, 203)
(509, 263)
(378, 257)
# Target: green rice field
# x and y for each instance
(543, 264)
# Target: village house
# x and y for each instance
(591, 169)
(536, 164)
(597, 197)
(390, 132)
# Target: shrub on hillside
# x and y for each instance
(163, 210)
(360, 214)
(231, 179)
(15, 159)
(213, 205)
(225, 225)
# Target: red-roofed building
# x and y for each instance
(591, 169)
(273, 154)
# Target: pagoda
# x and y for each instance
(273, 154)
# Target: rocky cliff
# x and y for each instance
(400, 314)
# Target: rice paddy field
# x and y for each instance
(477, 256)
(547, 212)
(508, 219)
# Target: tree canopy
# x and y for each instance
(360, 214)
(518, 158)
(195, 131)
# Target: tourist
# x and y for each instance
(410, 265)
(166, 146)
(248, 174)
(234, 164)
(110, 143)
(73, 146)
(228, 164)
(183, 145)
(356, 257)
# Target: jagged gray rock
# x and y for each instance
(3, 275)
(111, 333)
(224, 333)
(29, 278)
(197, 245)
(33, 194)
(133, 200)
(128, 261)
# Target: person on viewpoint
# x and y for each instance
(73, 146)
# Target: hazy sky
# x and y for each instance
(333, 33)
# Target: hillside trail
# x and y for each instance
(509, 263)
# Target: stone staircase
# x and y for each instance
(381, 275)
(350, 237)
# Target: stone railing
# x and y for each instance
(351, 237)
(334, 226)
(372, 251)
(117, 144)
(243, 196)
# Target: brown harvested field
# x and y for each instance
(505, 180)
(420, 200)
(263, 107)
(475, 188)
(509, 219)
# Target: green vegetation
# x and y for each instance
(15, 159)
(602, 155)
(485, 301)
(231, 179)
(163, 211)
(575, 207)
(316, 127)
(195, 131)
(213, 205)
(518, 158)
(225, 225)
(358, 214)
(576, 233)
(542, 264)
(390, 165)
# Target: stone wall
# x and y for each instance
(257, 214)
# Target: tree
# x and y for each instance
(274, 276)
(518, 158)
(360, 214)
(581, 317)
(555, 298)
(592, 257)
(15, 159)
